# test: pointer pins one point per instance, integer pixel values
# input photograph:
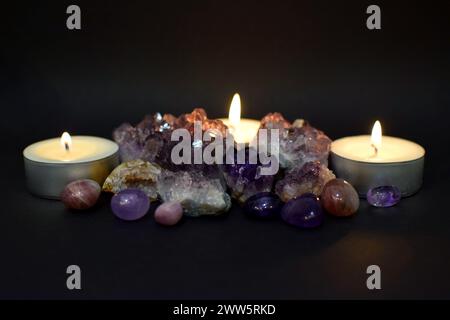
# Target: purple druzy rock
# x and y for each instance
(263, 205)
(130, 204)
(384, 196)
(150, 140)
(146, 140)
(304, 211)
(244, 179)
(311, 178)
(299, 143)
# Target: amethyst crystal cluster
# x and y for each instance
(201, 189)
(303, 156)
(245, 179)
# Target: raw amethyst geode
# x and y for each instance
(147, 140)
(150, 139)
(310, 178)
(245, 180)
(299, 142)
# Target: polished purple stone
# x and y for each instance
(263, 205)
(304, 211)
(384, 196)
(130, 204)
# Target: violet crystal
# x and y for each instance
(304, 211)
(130, 204)
(384, 196)
(311, 177)
(263, 205)
(299, 143)
(150, 140)
(244, 179)
(147, 140)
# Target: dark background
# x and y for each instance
(307, 59)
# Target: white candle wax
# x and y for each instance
(245, 131)
(82, 149)
(392, 149)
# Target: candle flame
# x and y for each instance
(66, 141)
(235, 110)
(376, 136)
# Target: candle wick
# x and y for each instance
(375, 149)
(66, 146)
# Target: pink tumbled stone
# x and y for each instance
(81, 194)
(169, 213)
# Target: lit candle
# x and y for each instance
(51, 164)
(243, 130)
(369, 161)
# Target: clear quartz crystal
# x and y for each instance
(197, 192)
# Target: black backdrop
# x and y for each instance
(310, 59)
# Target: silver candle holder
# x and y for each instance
(47, 178)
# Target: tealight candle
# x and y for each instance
(51, 164)
(243, 130)
(375, 160)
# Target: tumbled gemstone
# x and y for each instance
(339, 198)
(384, 196)
(169, 213)
(81, 194)
(303, 212)
(130, 204)
(263, 205)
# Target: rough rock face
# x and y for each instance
(299, 143)
(310, 178)
(147, 140)
(197, 193)
(274, 121)
(245, 180)
(150, 140)
(137, 174)
(198, 114)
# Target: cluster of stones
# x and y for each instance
(298, 192)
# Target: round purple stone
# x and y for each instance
(130, 204)
(304, 211)
(384, 196)
(263, 205)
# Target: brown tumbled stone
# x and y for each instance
(339, 198)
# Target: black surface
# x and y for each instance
(309, 59)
